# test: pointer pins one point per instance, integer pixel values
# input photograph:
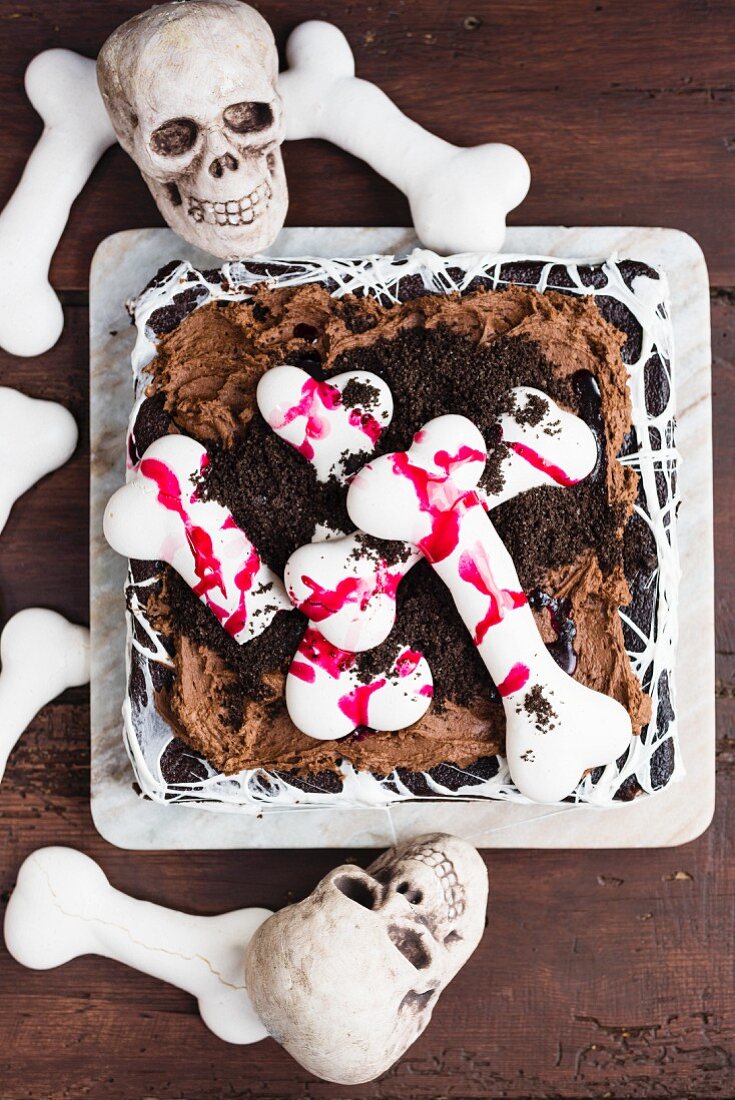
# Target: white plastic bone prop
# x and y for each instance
(158, 515)
(36, 438)
(459, 198)
(556, 728)
(63, 907)
(313, 417)
(41, 655)
(62, 86)
(326, 699)
(349, 592)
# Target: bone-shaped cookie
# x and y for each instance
(36, 437)
(62, 86)
(63, 907)
(159, 515)
(320, 420)
(327, 698)
(349, 591)
(459, 198)
(556, 728)
(41, 655)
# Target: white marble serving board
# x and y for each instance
(122, 266)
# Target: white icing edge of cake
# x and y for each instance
(146, 733)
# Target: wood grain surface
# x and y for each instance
(602, 974)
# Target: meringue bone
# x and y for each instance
(36, 438)
(41, 655)
(63, 907)
(318, 422)
(158, 515)
(349, 591)
(459, 198)
(62, 86)
(327, 699)
(556, 727)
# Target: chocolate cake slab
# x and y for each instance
(672, 815)
(630, 296)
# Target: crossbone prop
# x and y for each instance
(206, 133)
(41, 655)
(36, 438)
(411, 921)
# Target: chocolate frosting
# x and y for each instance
(207, 371)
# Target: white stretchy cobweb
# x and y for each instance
(624, 288)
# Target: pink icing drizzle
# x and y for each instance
(437, 495)
(315, 397)
(207, 565)
(356, 703)
(475, 569)
(514, 681)
(540, 463)
(325, 602)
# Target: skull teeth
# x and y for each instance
(235, 211)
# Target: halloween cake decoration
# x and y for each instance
(411, 920)
(41, 655)
(556, 727)
(159, 514)
(36, 438)
(344, 584)
(194, 96)
(566, 370)
(325, 424)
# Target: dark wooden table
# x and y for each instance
(602, 974)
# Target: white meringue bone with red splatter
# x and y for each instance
(316, 419)
(327, 697)
(556, 728)
(349, 590)
(160, 515)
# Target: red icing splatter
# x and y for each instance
(318, 651)
(325, 602)
(207, 565)
(441, 499)
(302, 671)
(540, 463)
(366, 423)
(407, 662)
(427, 690)
(315, 396)
(514, 681)
(356, 703)
(447, 462)
(475, 569)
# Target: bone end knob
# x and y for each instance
(37, 437)
(41, 655)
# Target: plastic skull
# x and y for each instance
(347, 979)
(190, 89)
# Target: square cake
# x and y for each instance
(206, 719)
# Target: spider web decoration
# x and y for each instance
(634, 297)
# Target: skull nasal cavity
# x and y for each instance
(411, 946)
(221, 164)
(356, 889)
(413, 896)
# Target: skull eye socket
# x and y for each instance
(248, 118)
(411, 946)
(174, 138)
(356, 889)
